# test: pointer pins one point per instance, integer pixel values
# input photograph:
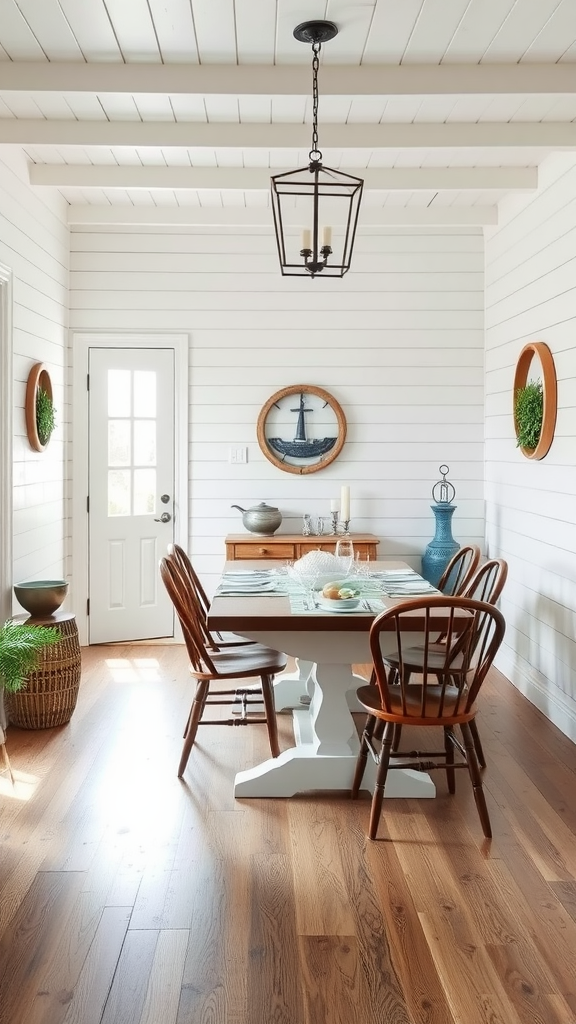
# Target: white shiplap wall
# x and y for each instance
(399, 343)
(531, 506)
(34, 244)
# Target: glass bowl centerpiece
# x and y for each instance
(320, 567)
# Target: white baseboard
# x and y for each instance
(558, 707)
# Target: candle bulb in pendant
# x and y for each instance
(327, 236)
(306, 238)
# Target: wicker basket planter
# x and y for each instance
(50, 695)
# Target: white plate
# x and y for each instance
(246, 588)
(331, 607)
(410, 591)
(248, 572)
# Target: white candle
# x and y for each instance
(334, 504)
(345, 503)
(306, 238)
(327, 236)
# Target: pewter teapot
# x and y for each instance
(261, 519)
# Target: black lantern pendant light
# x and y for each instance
(325, 201)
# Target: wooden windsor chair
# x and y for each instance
(485, 585)
(455, 577)
(210, 664)
(459, 570)
(182, 560)
(446, 698)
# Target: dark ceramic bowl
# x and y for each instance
(41, 597)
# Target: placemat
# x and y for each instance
(299, 606)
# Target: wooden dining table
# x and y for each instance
(325, 645)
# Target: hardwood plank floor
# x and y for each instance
(130, 897)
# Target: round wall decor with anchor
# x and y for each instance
(301, 429)
(38, 408)
(537, 350)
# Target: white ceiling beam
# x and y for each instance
(473, 216)
(24, 132)
(289, 80)
(249, 179)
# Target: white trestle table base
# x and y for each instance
(326, 739)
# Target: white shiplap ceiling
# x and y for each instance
(175, 111)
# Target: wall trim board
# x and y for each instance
(6, 443)
(534, 686)
(81, 345)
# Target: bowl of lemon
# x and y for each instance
(340, 596)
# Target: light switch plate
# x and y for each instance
(238, 455)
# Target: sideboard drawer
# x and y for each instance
(263, 550)
(293, 546)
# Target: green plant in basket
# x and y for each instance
(20, 646)
(529, 414)
(45, 415)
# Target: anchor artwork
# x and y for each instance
(310, 439)
(302, 446)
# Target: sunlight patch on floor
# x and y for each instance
(134, 670)
(23, 788)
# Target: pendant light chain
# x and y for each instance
(326, 200)
(315, 154)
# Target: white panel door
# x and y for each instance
(131, 491)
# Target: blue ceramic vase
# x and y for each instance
(442, 546)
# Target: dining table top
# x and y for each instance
(274, 611)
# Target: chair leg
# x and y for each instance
(477, 743)
(397, 736)
(381, 780)
(449, 749)
(7, 760)
(362, 758)
(378, 731)
(476, 779)
(192, 726)
(271, 723)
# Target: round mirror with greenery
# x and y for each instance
(529, 412)
(39, 407)
(535, 401)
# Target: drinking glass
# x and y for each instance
(345, 554)
(362, 567)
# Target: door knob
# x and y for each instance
(164, 518)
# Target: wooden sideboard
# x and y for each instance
(293, 545)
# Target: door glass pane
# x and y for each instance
(144, 442)
(144, 491)
(118, 392)
(118, 492)
(144, 393)
(118, 442)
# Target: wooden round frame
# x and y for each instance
(549, 394)
(37, 378)
(297, 389)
